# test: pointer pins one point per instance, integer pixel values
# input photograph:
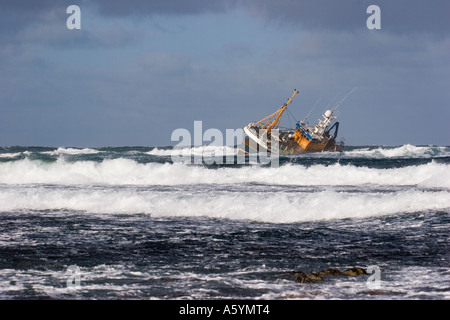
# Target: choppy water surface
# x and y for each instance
(128, 223)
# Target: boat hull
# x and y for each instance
(289, 143)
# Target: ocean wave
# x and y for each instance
(129, 172)
(71, 151)
(378, 152)
(369, 152)
(271, 207)
(206, 151)
(404, 151)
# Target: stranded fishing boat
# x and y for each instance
(260, 136)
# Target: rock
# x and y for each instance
(308, 278)
(354, 272)
(314, 277)
(311, 277)
(303, 277)
(332, 271)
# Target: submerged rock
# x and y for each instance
(312, 277)
(303, 277)
(355, 272)
(331, 271)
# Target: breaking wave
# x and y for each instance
(375, 152)
(273, 207)
(130, 172)
(303, 188)
(407, 150)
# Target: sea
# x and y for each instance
(131, 223)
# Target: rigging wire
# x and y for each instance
(291, 116)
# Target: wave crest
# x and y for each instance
(129, 172)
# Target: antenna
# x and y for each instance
(330, 103)
(345, 97)
(315, 105)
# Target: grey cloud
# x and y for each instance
(16, 15)
(44, 23)
(397, 16)
(371, 49)
(143, 7)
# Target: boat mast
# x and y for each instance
(273, 120)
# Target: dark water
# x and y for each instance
(127, 223)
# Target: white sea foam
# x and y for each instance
(10, 155)
(275, 207)
(366, 152)
(71, 151)
(129, 172)
(218, 151)
(406, 150)
(206, 151)
(294, 192)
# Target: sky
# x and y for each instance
(138, 70)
